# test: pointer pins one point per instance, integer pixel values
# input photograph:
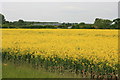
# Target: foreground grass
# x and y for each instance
(11, 70)
(0, 69)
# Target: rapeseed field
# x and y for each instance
(82, 51)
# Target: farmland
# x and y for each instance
(80, 51)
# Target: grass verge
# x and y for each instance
(10, 70)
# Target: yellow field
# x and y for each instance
(87, 48)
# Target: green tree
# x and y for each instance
(116, 23)
(20, 22)
(102, 23)
(2, 19)
(82, 23)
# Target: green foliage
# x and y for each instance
(116, 23)
(78, 67)
(2, 19)
(98, 24)
(103, 23)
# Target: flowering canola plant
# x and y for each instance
(81, 50)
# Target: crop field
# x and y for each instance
(88, 52)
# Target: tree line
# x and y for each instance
(98, 24)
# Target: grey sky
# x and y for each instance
(60, 11)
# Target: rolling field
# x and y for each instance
(79, 51)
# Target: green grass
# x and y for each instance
(0, 69)
(10, 70)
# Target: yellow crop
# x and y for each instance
(99, 47)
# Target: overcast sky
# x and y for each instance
(60, 11)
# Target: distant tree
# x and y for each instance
(102, 23)
(82, 23)
(98, 24)
(20, 22)
(2, 19)
(116, 23)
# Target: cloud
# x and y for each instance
(59, 11)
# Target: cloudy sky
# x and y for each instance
(59, 11)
